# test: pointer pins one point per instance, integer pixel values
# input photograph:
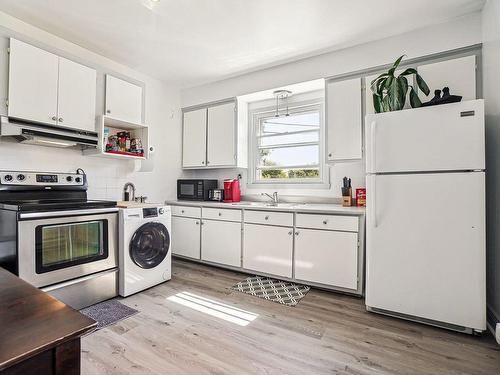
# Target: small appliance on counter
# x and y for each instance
(195, 190)
(216, 195)
(232, 191)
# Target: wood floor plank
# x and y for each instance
(326, 333)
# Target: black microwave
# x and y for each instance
(195, 190)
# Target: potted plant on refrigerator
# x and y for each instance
(389, 90)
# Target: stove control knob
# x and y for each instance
(21, 177)
(161, 211)
(78, 179)
(7, 177)
(69, 178)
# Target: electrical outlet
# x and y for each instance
(497, 333)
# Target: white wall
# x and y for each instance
(106, 176)
(461, 32)
(491, 74)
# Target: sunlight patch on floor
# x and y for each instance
(214, 308)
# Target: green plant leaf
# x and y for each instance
(377, 103)
(422, 85)
(396, 94)
(397, 62)
(414, 99)
(408, 72)
(379, 77)
(386, 107)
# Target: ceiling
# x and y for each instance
(190, 42)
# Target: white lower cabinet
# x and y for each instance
(268, 249)
(221, 242)
(327, 257)
(186, 237)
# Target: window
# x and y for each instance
(287, 149)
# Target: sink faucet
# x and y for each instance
(274, 198)
(126, 194)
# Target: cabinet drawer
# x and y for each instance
(269, 217)
(187, 211)
(330, 222)
(221, 214)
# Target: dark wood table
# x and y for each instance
(38, 333)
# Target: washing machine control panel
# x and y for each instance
(150, 212)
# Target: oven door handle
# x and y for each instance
(41, 215)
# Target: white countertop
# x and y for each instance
(285, 207)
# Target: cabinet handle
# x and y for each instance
(203, 163)
(202, 223)
(182, 211)
(297, 233)
(108, 111)
(330, 155)
(266, 218)
(54, 118)
(208, 162)
(61, 119)
(197, 223)
(325, 222)
(220, 213)
(290, 233)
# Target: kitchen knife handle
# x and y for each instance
(372, 145)
(373, 198)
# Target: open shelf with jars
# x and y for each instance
(121, 139)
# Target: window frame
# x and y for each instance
(256, 116)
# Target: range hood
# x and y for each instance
(46, 135)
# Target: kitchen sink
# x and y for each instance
(267, 204)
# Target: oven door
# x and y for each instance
(60, 246)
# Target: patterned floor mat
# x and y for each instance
(108, 312)
(274, 290)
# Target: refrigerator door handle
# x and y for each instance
(373, 131)
(374, 199)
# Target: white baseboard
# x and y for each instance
(497, 333)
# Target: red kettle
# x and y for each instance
(232, 191)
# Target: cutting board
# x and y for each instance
(131, 204)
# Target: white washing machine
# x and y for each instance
(145, 242)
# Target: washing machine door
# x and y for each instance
(149, 245)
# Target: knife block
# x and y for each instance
(347, 199)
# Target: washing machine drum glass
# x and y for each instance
(149, 245)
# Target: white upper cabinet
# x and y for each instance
(221, 146)
(77, 95)
(344, 120)
(214, 136)
(49, 89)
(194, 138)
(33, 75)
(457, 74)
(123, 100)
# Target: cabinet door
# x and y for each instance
(186, 237)
(327, 257)
(194, 138)
(458, 74)
(221, 147)
(268, 249)
(123, 100)
(76, 98)
(221, 242)
(344, 120)
(32, 83)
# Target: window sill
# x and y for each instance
(289, 185)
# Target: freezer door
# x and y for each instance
(426, 246)
(441, 138)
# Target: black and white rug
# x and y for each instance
(274, 290)
(108, 312)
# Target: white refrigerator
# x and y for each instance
(425, 233)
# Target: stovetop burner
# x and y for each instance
(35, 191)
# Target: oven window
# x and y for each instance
(187, 190)
(69, 244)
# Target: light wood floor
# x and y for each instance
(326, 333)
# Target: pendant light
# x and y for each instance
(281, 95)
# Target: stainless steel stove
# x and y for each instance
(52, 236)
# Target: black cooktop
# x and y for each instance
(54, 204)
